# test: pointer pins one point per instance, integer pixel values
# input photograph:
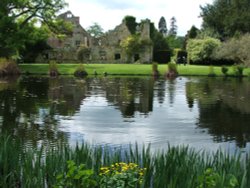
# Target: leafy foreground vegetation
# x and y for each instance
(128, 69)
(86, 166)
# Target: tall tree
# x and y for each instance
(162, 26)
(227, 17)
(193, 32)
(95, 30)
(17, 16)
(173, 27)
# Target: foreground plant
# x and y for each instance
(76, 176)
(80, 71)
(53, 70)
(212, 179)
(122, 175)
(172, 70)
(8, 67)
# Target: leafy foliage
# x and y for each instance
(17, 18)
(53, 69)
(122, 175)
(162, 26)
(173, 27)
(193, 32)
(76, 176)
(227, 17)
(83, 53)
(236, 49)
(133, 44)
(80, 71)
(212, 179)
(224, 70)
(95, 30)
(201, 49)
(8, 67)
(175, 41)
(131, 24)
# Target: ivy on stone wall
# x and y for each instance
(131, 24)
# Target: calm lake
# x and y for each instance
(205, 113)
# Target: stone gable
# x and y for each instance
(105, 49)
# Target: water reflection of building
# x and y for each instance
(224, 108)
(130, 95)
(25, 113)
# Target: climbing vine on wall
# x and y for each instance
(131, 24)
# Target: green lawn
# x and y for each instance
(126, 69)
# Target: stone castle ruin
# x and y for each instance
(105, 49)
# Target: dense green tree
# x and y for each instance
(173, 27)
(17, 17)
(159, 41)
(193, 32)
(236, 49)
(162, 26)
(175, 41)
(95, 30)
(201, 50)
(227, 17)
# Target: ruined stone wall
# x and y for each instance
(105, 49)
(65, 49)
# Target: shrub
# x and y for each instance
(210, 178)
(155, 71)
(83, 54)
(235, 49)
(172, 70)
(76, 176)
(238, 70)
(8, 67)
(80, 71)
(211, 71)
(53, 70)
(224, 70)
(123, 175)
(200, 50)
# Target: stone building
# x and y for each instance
(65, 48)
(106, 49)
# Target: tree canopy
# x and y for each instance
(162, 26)
(201, 50)
(95, 30)
(227, 17)
(173, 27)
(18, 18)
(236, 49)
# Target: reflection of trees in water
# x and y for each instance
(171, 90)
(130, 94)
(66, 95)
(160, 90)
(26, 113)
(224, 108)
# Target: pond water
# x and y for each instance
(205, 113)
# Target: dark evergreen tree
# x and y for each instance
(162, 26)
(193, 32)
(173, 27)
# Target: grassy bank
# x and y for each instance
(126, 69)
(177, 167)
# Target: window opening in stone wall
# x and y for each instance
(117, 56)
(136, 57)
(77, 43)
(69, 15)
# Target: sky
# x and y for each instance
(109, 13)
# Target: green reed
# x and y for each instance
(175, 167)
